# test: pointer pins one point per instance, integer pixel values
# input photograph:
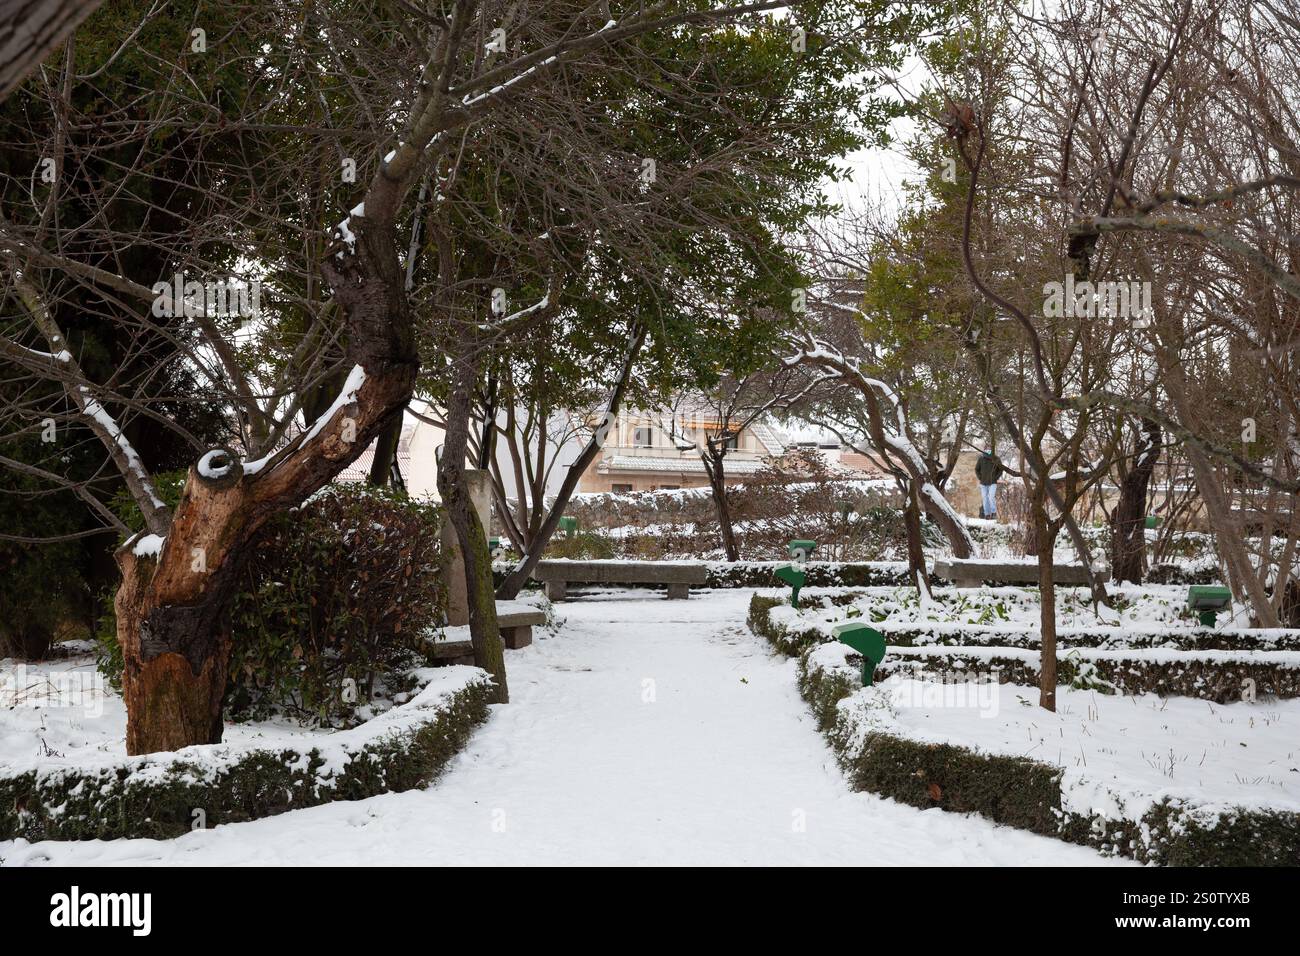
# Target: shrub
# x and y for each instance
(581, 545)
(336, 601)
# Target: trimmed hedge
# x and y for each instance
(1191, 669)
(156, 796)
(1218, 676)
(932, 634)
(1186, 573)
(759, 574)
(1027, 794)
(823, 574)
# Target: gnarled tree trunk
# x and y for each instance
(172, 608)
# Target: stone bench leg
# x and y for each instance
(679, 592)
(556, 590)
(517, 637)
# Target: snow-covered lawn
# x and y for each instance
(62, 713)
(645, 731)
(1242, 754)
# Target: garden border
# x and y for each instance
(1215, 673)
(155, 796)
(1027, 794)
(1016, 791)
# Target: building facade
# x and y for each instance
(646, 451)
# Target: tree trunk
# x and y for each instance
(485, 634)
(171, 608)
(1047, 613)
(713, 466)
(171, 617)
(1128, 522)
(915, 544)
(173, 684)
(381, 466)
(30, 30)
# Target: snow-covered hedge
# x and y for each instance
(877, 755)
(1211, 665)
(1190, 571)
(825, 574)
(760, 574)
(800, 628)
(168, 794)
(1219, 676)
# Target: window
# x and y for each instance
(733, 441)
(670, 487)
(643, 437)
(621, 489)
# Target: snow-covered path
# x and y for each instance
(646, 732)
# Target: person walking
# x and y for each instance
(987, 471)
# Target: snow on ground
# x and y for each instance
(1142, 608)
(1242, 754)
(62, 713)
(645, 731)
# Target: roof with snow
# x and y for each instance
(768, 438)
(676, 466)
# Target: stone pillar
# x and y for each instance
(963, 490)
(480, 492)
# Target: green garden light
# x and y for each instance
(867, 641)
(794, 576)
(1208, 600)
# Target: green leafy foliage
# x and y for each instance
(337, 601)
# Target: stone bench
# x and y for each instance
(968, 573)
(679, 577)
(515, 620)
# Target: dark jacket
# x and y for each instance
(988, 470)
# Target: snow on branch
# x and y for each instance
(895, 437)
(107, 426)
(347, 396)
(543, 303)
